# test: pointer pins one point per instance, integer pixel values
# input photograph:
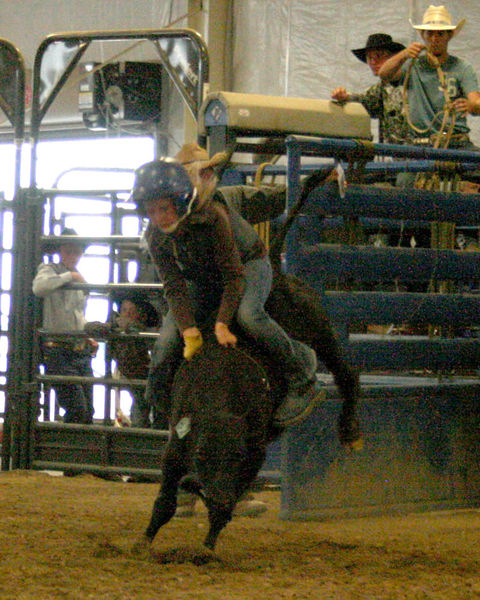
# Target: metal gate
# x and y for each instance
(30, 439)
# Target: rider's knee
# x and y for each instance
(249, 317)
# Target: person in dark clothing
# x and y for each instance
(136, 314)
(382, 101)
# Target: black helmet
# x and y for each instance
(162, 178)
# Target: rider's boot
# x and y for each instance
(301, 393)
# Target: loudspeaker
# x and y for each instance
(131, 91)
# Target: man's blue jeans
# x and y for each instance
(75, 398)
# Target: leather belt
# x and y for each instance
(75, 347)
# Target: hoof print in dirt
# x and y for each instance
(107, 550)
(141, 549)
(186, 555)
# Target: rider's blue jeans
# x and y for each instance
(252, 318)
(255, 321)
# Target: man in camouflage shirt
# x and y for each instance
(382, 101)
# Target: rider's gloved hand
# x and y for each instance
(224, 336)
(193, 341)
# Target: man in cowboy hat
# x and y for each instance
(63, 312)
(426, 92)
(378, 48)
(383, 100)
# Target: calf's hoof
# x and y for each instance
(210, 544)
(349, 433)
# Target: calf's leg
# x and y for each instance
(298, 308)
(166, 502)
(218, 517)
(220, 513)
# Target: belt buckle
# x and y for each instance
(79, 347)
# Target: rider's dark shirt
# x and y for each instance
(208, 248)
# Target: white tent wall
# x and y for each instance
(280, 47)
(28, 22)
(302, 47)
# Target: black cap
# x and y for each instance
(150, 313)
(54, 243)
(378, 41)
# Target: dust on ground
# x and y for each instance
(71, 538)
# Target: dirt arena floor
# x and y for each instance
(71, 539)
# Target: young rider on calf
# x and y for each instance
(211, 260)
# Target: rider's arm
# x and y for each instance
(391, 68)
(47, 280)
(227, 257)
(175, 288)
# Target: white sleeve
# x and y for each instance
(47, 280)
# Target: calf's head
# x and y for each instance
(220, 458)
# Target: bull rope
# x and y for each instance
(259, 366)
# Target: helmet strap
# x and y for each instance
(190, 207)
(192, 203)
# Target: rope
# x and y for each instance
(442, 234)
(258, 365)
(263, 229)
(448, 112)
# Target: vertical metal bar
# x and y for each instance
(293, 192)
(18, 123)
(84, 39)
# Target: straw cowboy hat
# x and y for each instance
(378, 41)
(192, 153)
(437, 18)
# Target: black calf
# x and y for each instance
(221, 423)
